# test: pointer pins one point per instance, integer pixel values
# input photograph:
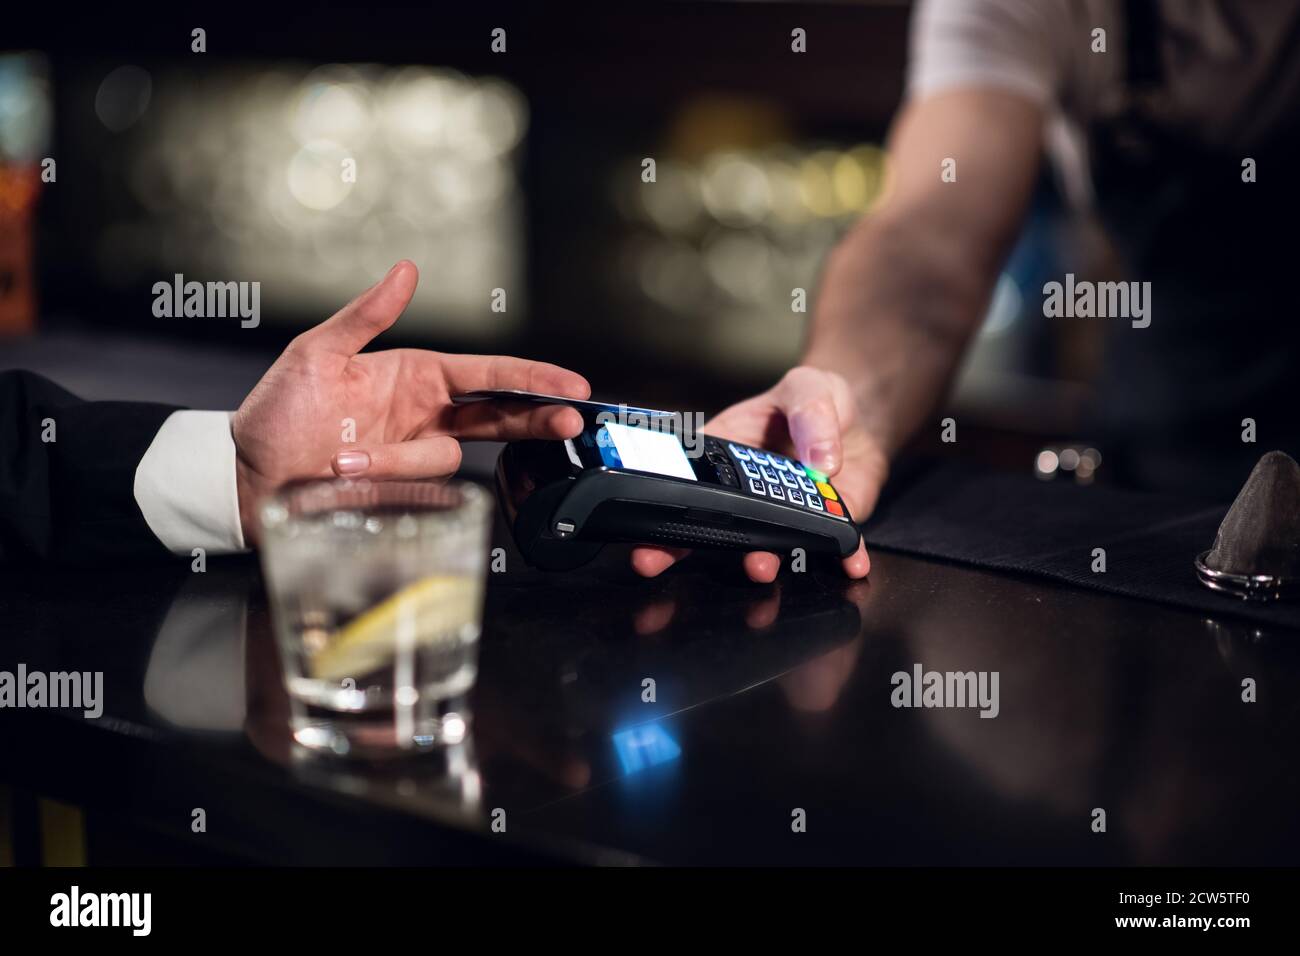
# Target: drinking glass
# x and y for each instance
(376, 592)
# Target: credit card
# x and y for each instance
(588, 408)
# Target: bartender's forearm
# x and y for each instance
(904, 292)
(894, 315)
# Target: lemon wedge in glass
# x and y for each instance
(439, 608)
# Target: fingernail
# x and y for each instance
(821, 455)
(351, 462)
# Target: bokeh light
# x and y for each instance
(316, 180)
(123, 97)
(730, 232)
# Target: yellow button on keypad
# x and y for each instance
(827, 491)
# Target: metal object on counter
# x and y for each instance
(1250, 587)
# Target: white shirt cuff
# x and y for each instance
(185, 484)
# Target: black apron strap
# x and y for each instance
(1143, 68)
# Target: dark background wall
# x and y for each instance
(604, 86)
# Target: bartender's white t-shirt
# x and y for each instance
(1231, 67)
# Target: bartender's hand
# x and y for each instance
(811, 415)
(292, 424)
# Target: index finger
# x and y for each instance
(493, 421)
(468, 373)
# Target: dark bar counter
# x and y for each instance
(768, 701)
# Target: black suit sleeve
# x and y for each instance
(67, 474)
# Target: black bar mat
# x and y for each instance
(1018, 523)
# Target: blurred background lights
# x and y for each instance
(735, 190)
(334, 104)
(415, 107)
(490, 120)
(671, 274)
(1056, 460)
(676, 207)
(1046, 463)
(740, 264)
(123, 97)
(724, 234)
(788, 208)
(316, 174)
(817, 185)
(316, 180)
(24, 107)
(858, 178)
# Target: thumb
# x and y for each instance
(434, 457)
(352, 327)
(806, 398)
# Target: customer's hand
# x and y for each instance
(811, 415)
(324, 409)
